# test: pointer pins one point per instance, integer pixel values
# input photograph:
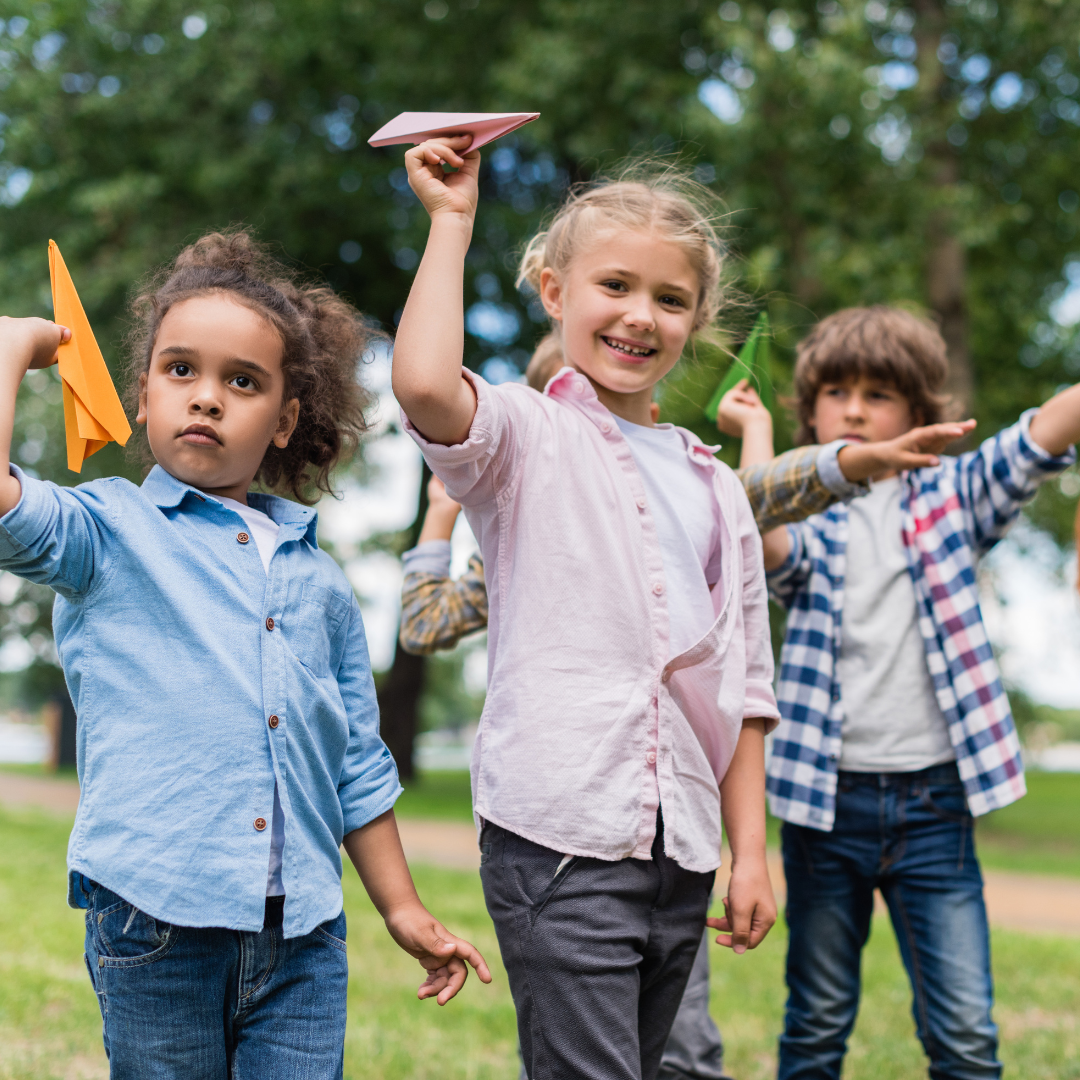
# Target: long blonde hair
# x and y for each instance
(641, 196)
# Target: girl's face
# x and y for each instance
(627, 307)
(214, 398)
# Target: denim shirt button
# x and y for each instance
(260, 824)
(273, 721)
(242, 538)
(270, 622)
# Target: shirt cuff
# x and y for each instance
(778, 573)
(481, 435)
(828, 466)
(1046, 461)
(25, 516)
(432, 557)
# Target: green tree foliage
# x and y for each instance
(924, 153)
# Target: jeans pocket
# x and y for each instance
(947, 802)
(125, 936)
(333, 932)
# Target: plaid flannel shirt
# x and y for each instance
(436, 611)
(951, 515)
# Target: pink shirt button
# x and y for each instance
(605, 427)
(641, 504)
(650, 757)
(658, 588)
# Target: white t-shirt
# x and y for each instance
(264, 531)
(892, 720)
(684, 508)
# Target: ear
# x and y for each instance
(140, 416)
(290, 413)
(551, 293)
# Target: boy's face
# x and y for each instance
(861, 409)
(627, 306)
(213, 399)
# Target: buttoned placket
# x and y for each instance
(586, 400)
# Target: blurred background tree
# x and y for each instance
(923, 153)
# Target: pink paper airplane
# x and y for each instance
(415, 127)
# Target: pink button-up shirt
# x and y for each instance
(588, 726)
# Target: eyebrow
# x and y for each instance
(236, 361)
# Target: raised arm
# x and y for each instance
(743, 415)
(24, 344)
(431, 335)
(1056, 426)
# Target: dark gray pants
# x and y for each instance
(694, 1048)
(598, 954)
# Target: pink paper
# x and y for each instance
(415, 127)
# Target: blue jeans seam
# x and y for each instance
(917, 988)
(246, 999)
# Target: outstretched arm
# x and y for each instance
(375, 851)
(1056, 426)
(24, 344)
(431, 335)
(915, 449)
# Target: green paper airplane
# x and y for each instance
(753, 363)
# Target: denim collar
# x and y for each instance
(165, 491)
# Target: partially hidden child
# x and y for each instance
(896, 729)
(630, 671)
(228, 737)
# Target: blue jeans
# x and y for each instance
(183, 1003)
(910, 835)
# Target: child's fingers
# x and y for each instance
(457, 973)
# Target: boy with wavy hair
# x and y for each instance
(895, 726)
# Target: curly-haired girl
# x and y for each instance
(228, 730)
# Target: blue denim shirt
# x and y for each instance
(178, 650)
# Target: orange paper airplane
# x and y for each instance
(93, 415)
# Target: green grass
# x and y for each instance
(442, 796)
(50, 1027)
(1039, 834)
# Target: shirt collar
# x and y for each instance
(165, 491)
(568, 383)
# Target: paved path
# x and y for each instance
(1030, 902)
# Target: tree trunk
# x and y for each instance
(400, 690)
(946, 257)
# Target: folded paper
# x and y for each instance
(415, 127)
(93, 415)
(754, 364)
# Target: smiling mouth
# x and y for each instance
(198, 435)
(635, 352)
(853, 437)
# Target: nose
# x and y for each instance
(204, 400)
(855, 406)
(639, 312)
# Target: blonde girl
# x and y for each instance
(630, 672)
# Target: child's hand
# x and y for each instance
(442, 192)
(31, 342)
(740, 408)
(915, 449)
(441, 954)
(441, 514)
(749, 907)
(438, 501)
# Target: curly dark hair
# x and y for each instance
(323, 339)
